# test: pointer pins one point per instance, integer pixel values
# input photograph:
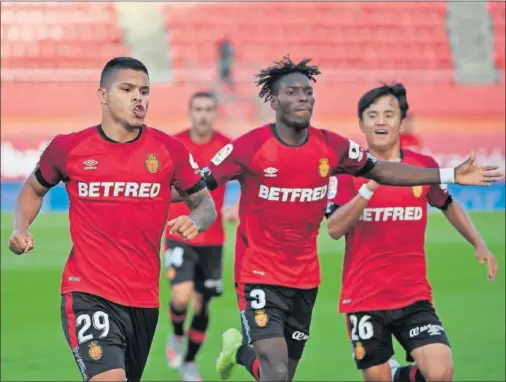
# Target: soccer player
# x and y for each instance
(385, 291)
(118, 176)
(284, 169)
(195, 267)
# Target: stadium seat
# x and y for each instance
(407, 36)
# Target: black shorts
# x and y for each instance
(104, 336)
(200, 264)
(271, 311)
(413, 326)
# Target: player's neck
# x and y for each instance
(290, 136)
(392, 154)
(201, 138)
(119, 133)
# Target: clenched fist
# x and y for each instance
(20, 242)
(184, 226)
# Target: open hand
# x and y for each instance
(483, 256)
(184, 226)
(467, 173)
(20, 242)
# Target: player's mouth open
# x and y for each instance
(381, 132)
(139, 111)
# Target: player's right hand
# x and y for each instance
(469, 174)
(20, 242)
(372, 185)
(184, 226)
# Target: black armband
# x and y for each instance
(41, 180)
(446, 204)
(331, 208)
(369, 165)
(200, 185)
(208, 178)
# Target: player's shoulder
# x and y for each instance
(166, 140)
(221, 138)
(183, 134)
(67, 142)
(419, 158)
(326, 135)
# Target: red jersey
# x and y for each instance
(203, 153)
(119, 200)
(410, 141)
(283, 200)
(384, 263)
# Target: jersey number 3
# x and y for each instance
(361, 329)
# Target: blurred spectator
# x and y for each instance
(409, 140)
(225, 62)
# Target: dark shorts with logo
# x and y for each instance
(200, 264)
(271, 311)
(105, 336)
(413, 326)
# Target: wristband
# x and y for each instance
(365, 192)
(447, 175)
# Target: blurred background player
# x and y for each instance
(385, 291)
(118, 176)
(283, 169)
(408, 137)
(194, 268)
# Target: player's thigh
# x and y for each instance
(298, 322)
(208, 272)
(140, 337)
(371, 338)
(422, 334)
(264, 309)
(93, 328)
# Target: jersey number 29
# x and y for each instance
(100, 321)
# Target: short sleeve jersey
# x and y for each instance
(119, 199)
(202, 153)
(283, 200)
(385, 264)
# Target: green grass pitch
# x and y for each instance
(472, 309)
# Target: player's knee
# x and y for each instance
(439, 372)
(115, 375)
(181, 295)
(273, 367)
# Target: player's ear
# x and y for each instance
(361, 124)
(274, 103)
(403, 126)
(102, 96)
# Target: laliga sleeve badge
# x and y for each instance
(95, 350)
(152, 164)
(417, 191)
(323, 168)
(359, 351)
(261, 318)
(222, 154)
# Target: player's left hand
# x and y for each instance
(467, 173)
(184, 226)
(483, 256)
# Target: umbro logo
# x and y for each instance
(271, 172)
(90, 164)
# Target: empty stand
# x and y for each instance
(352, 37)
(497, 11)
(51, 35)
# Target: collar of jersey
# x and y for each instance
(105, 137)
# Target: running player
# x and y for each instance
(385, 290)
(194, 268)
(118, 175)
(284, 169)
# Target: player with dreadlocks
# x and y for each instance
(284, 169)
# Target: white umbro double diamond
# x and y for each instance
(271, 172)
(90, 164)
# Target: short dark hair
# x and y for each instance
(203, 94)
(396, 89)
(118, 63)
(268, 77)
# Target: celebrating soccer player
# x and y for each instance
(118, 177)
(385, 291)
(194, 267)
(284, 169)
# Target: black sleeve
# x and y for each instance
(369, 165)
(208, 178)
(200, 185)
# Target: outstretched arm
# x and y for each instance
(28, 204)
(458, 217)
(467, 173)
